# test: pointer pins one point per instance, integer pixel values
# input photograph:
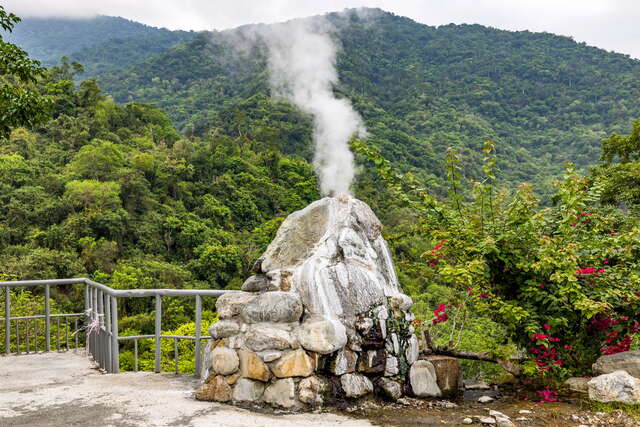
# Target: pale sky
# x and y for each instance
(608, 24)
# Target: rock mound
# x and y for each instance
(324, 317)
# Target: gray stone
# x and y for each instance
(310, 391)
(395, 343)
(424, 382)
(578, 384)
(261, 337)
(502, 420)
(224, 361)
(486, 420)
(247, 390)
(276, 307)
(345, 361)
(400, 302)
(476, 386)
(391, 389)
(281, 393)
(322, 336)
(355, 385)
(223, 329)
(413, 351)
(270, 355)
(391, 367)
(525, 412)
(628, 361)
(617, 386)
(257, 283)
(485, 399)
(231, 303)
(467, 421)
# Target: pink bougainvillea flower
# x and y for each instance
(547, 326)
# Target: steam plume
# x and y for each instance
(302, 67)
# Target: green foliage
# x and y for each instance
(619, 174)
(20, 103)
(551, 278)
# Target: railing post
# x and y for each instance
(198, 327)
(47, 318)
(115, 350)
(100, 336)
(7, 320)
(107, 329)
(158, 330)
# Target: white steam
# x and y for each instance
(302, 68)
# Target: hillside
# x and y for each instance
(100, 43)
(544, 99)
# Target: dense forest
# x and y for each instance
(97, 182)
(544, 99)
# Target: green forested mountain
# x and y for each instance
(544, 99)
(100, 43)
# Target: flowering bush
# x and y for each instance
(553, 278)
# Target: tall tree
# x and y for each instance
(21, 104)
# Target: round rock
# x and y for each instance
(278, 307)
(224, 361)
(323, 336)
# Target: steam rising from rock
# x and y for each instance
(302, 67)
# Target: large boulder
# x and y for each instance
(261, 337)
(281, 393)
(322, 336)
(224, 361)
(294, 363)
(336, 257)
(617, 386)
(247, 390)
(273, 307)
(355, 385)
(231, 303)
(625, 361)
(423, 379)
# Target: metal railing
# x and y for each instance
(101, 321)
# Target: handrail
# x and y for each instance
(101, 311)
(133, 293)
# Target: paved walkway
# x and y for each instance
(62, 389)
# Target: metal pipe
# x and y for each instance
(115, 350)
(7, 320)
(100, 326)
(27, 336)
(35, 332)
(47, 319)
(135, 352)
(58, 334)
(76, 333)
(66, 332)
(107, 328)
(158, 330)
(175, 354)
(198, 368)
(135, 293)
(17, 336)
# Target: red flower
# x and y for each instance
(547, 326)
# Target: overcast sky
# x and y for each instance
(609, 24)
